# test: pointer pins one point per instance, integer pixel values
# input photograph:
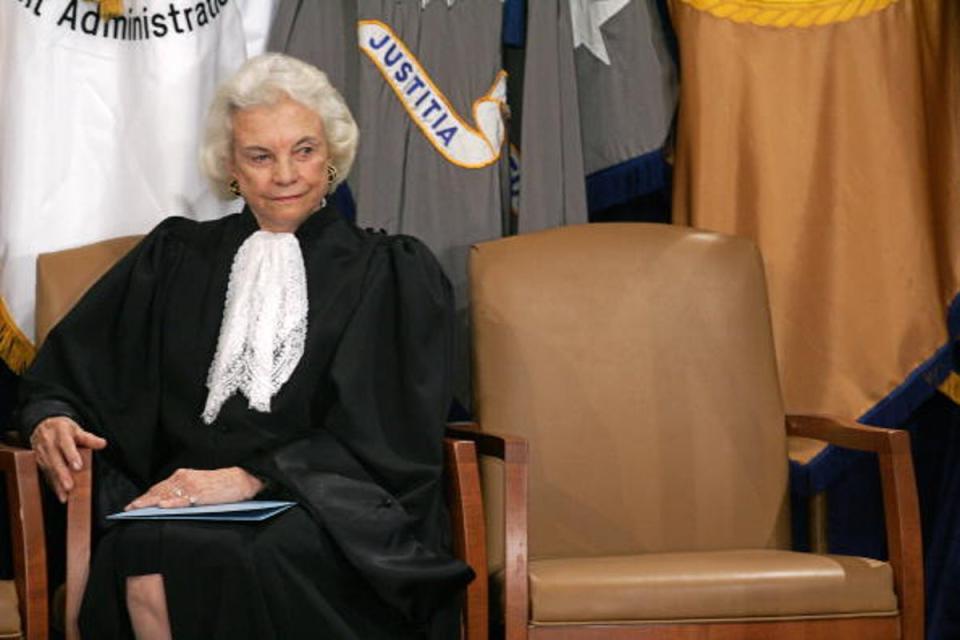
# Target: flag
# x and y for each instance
(100, 123)
(552, 187)
(424, 81)
(595, 110)
(819, 130)
(828, 131)
(431, 105)
(627, 90)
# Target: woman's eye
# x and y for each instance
(259, 158)
(305, 151)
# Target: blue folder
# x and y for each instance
(248, 511)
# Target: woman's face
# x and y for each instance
(280, 162)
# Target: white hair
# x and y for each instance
(265, 80)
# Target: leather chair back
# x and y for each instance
(643, 437)
(64, 276)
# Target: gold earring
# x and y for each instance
(332, 173)
(235, 188)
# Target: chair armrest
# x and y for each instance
(498, 445)
(19, 470)
(900, 504)
(847, 433)
(513, 451)
(465, 505)
(79, 510)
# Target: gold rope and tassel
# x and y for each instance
(790, 13)
(109, 8)
(16, 349)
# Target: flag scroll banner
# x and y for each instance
(100, 122)
(451, 134)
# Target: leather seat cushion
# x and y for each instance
(717, 585)
(9, 610)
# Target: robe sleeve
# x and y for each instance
(100, 363)
(371, 474)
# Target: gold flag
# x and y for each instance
(828, 131)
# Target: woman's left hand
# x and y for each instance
(186, 487)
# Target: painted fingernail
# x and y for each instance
(77, 465)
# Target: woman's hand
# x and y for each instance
(186, 487)
(55, 441)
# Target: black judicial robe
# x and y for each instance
(355, 436)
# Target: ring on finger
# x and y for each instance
(192, 500)
(177, 491)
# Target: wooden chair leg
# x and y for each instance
(79, 514)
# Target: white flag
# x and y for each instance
(100, 122)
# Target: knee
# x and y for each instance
(146, 593)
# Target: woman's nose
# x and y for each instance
(285, 171)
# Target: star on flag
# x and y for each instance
(587, 17)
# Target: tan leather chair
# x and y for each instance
(638, 362)
(62, 279)
(64, 276)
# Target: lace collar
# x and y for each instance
(264, 324)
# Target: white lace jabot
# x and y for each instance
(264, 323)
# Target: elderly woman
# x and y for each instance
(279, 351)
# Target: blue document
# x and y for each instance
(248, 511)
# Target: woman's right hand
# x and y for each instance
(55, 441)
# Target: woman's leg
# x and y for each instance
(147, 606)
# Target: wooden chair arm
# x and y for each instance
(900, 504)
(498, 445)
(846, 433)
(19, 470)
(469, 539)
(79, 518)
(513, 452)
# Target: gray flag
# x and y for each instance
(413, 80)
(321, 33)
(627, 88)
(551, 166)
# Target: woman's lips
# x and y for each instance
(287, 198)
